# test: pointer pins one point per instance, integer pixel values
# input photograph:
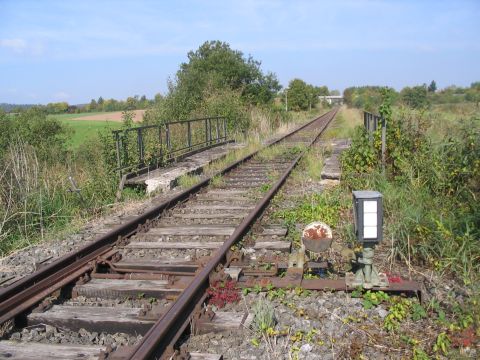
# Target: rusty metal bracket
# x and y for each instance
(150, 312)
(121, 240)
(116, 257)
(200, 317)
(181, 354)
(270, 269)
(83, 279)
(43, 306)
(218, 274)
(234, 257)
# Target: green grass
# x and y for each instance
(82, 130)
(86, 129)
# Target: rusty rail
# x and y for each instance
(22, 295)
(159, 338)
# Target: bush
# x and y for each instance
(430, 190)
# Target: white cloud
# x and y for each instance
(61, 95)
(17, 45)
(23, 47)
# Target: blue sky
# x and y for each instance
(78, 50)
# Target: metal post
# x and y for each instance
(217, 130)
(225, 128)
(370, 133)
(209, 130)
(189, 134)
(384, 143)
(117, 147)
(160, 142)
(124, 145)
(206, 131)
(167, 135)
(140, 145)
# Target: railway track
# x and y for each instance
(148, 278)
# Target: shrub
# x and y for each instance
(430, 189)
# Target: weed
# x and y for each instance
(222, 293)
(310, 275)
(299, 291)
(442, 344)
(279, 293)
(418, 312)
(187, 181)
(265, 188)
(419, 354)
(263, 316)
(371, 299)
(217, 181)
(398, 312)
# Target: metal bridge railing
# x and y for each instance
(141, 149)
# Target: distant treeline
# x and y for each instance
(421, 96)
(131, 103)
(15, 107)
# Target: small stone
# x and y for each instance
(382, 312)
(16, 336)
(50, 330)
(306, 348)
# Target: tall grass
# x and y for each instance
(431, 188)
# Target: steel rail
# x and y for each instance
(158, 339)
(22, 295)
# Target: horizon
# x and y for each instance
(74, 52)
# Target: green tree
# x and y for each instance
(432, 87)
(473, 94)
(34, 128)
(93, 105)
(100, 103)
(131, 103)
(211, 70)
(214, 64)
(298, 95)
(322, 91)
(415, 97)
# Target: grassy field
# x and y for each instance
(84, 129)
(73, 116)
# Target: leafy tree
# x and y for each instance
(415, 97)
(368, 98)
(158, 97)
(298, 95)
(93, 105)
(214, 64)
(473, 94)
(322, 91)
(432, 87)
(33, 127)
(131, 103)
(214, 70)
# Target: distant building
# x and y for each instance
(332, 99)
